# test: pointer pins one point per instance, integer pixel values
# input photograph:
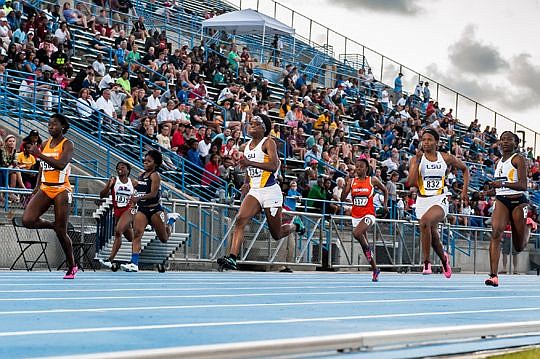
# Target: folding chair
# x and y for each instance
(81, 249)
(26, 244)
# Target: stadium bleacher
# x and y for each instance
(341, 107)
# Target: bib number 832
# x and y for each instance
(433, 184)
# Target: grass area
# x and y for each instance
(525, 354)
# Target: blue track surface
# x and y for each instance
(43, 315)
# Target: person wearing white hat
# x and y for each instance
(5, 32)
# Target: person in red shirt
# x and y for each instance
(213, 167)
(361, 188)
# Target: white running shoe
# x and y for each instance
(106, 263)
(129, 267)
(172, 217)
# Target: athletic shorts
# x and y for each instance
(53, 191)
(119, 211)
(268, 197)
(511, 204)
(356, 221)
(150, 211)
(423, 204)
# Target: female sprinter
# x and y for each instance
(262, 162)
(53, 187)
(511, 204)
(121, 189)
(147, 200)
(428, 171)
(363, 211)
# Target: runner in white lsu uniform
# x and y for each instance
(263, 192)
(428, 171)
(511, 203)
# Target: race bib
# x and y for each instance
(122, 199)
(254, 172)
(433, 184)
(360, 201)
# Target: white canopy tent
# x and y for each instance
(248, 21)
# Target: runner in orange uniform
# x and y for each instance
(361, 189)
(53, 187)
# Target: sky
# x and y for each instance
(487, 50)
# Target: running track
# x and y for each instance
(42, 315)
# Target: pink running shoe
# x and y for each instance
(492, 281)
(427, 268)
(375, 277)
(448, 272)
(71, 273)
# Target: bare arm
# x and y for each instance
(105, 191)
(414, 162)
(346, 190)
(456, 162)
(62, 162)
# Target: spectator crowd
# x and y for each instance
(196, 101)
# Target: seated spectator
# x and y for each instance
(139, 29)
(233, 58)
(74, 16)
(292, 197)
(246, 59)
(210, 177)
(102, 24)
(99, 67)
(28, 162)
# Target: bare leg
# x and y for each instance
(123, 226)
(277, 229)
(499, 220)
(520, 229)
(139, 224)
(428, 225)
(249, 208)
(61, 215)
(360, 234)
(163, 231)
(39, 204)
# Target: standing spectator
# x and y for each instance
(233, 58)
(398, 86)
(426, 92)
(99, 67)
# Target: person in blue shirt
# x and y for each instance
(183, 93)
(398, 85)
(301, 81)
(292, 196)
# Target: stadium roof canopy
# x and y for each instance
(247, 21)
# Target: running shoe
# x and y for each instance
(300, 228)
(286, 270)
(172, 217)
(448, 272)
(427, 269)
(492, 281)
(375, 277)
(130, 267)
(106, 263)
(227, 263)
(71, 273)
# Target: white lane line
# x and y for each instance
(255, 305)
(278, 294)
(257, 322)
(137, 289)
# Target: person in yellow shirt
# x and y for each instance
(321, 120)
(27, 161)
